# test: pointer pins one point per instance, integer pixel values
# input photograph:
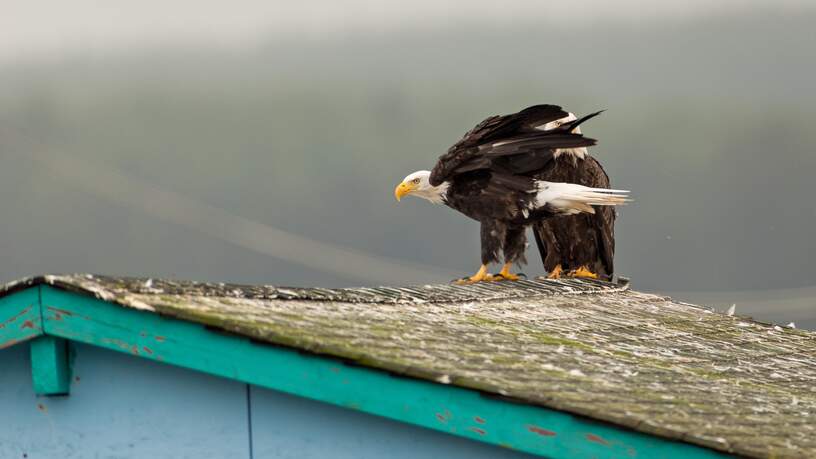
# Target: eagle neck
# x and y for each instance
(440, 194)
(571, 155)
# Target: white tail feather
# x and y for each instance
(571, 198)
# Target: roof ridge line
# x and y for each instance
(412, 294)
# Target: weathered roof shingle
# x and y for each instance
(587, 347)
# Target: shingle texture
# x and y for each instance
(587, 347)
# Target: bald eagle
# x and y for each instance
(490, 175)
(579, 245)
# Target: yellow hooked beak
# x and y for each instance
(403, 189)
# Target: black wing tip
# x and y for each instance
(582, 141)
(575, 123)
(589, 117)
(573, 140)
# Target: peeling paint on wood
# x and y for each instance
(540, 431)
(9, 322)
(19, 316)
(477, 430)
(596, 439)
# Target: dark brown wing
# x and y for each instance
(476, 148)
(488, 195)
(500, 127)
(517, 155)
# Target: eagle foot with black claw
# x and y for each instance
(481, 276)
(556, 272)
(583, 272)
(506, 275)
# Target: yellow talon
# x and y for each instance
(505, 274)
(584, 272)
(480, 276)
(556, 272)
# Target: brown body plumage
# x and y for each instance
(578, 240)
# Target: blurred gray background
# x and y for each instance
(260, 142)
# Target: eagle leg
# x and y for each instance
(492, 233)
(583, 272)
(514, 244)
(481, 276)
(556, 272)
(505, 274)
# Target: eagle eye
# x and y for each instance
(416, 180)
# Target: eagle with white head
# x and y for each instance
(491, 175)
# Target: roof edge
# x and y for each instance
(437, 405)
(438, 293)
(20, 316)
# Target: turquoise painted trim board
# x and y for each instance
(20, 317)
(441, 407)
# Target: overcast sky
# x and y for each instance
(36, 29)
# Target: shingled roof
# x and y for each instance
(586, 347)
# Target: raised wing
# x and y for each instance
(515, 143)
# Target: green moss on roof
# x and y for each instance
(587, 347)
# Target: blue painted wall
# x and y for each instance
(122, 406)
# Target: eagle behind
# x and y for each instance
(581, 244)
